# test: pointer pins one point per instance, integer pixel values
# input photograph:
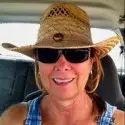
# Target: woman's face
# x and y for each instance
(65, 80)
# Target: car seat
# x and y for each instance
(109, 88)
(14, 76)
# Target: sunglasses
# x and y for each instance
(47, 55)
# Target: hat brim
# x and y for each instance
(102, 48)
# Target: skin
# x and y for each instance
(63, 69)
(65, 105)
(68, 99)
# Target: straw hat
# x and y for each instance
(63, 26)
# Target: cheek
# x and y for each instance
(83, 70)
(45, 71)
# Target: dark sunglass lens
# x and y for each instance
(77, 55)
(47, 55)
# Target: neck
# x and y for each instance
(78, 108)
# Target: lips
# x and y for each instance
(60, 81)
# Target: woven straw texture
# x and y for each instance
(63, 26)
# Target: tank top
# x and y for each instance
(34, 114)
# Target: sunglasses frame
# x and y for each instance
(64, 51)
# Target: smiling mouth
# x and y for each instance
(62, 81)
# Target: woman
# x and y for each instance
(68, 65)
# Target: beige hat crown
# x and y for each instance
(64, 25)
(68, 20)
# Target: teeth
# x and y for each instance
(59, 81)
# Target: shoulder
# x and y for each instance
(15, 115)
(119, 117)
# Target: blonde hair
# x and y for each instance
(96, 74)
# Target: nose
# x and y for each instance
(62, 64)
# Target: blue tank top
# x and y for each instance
(34, 114)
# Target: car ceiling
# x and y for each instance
(103, 13)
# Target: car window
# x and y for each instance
(22, 34)
(19, 34)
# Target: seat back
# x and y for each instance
(109, 88)
(14, 76)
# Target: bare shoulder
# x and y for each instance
(119, 116)
(15, 115)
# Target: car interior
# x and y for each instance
(17, 79)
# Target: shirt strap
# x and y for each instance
(107, 117)
(34, 115)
